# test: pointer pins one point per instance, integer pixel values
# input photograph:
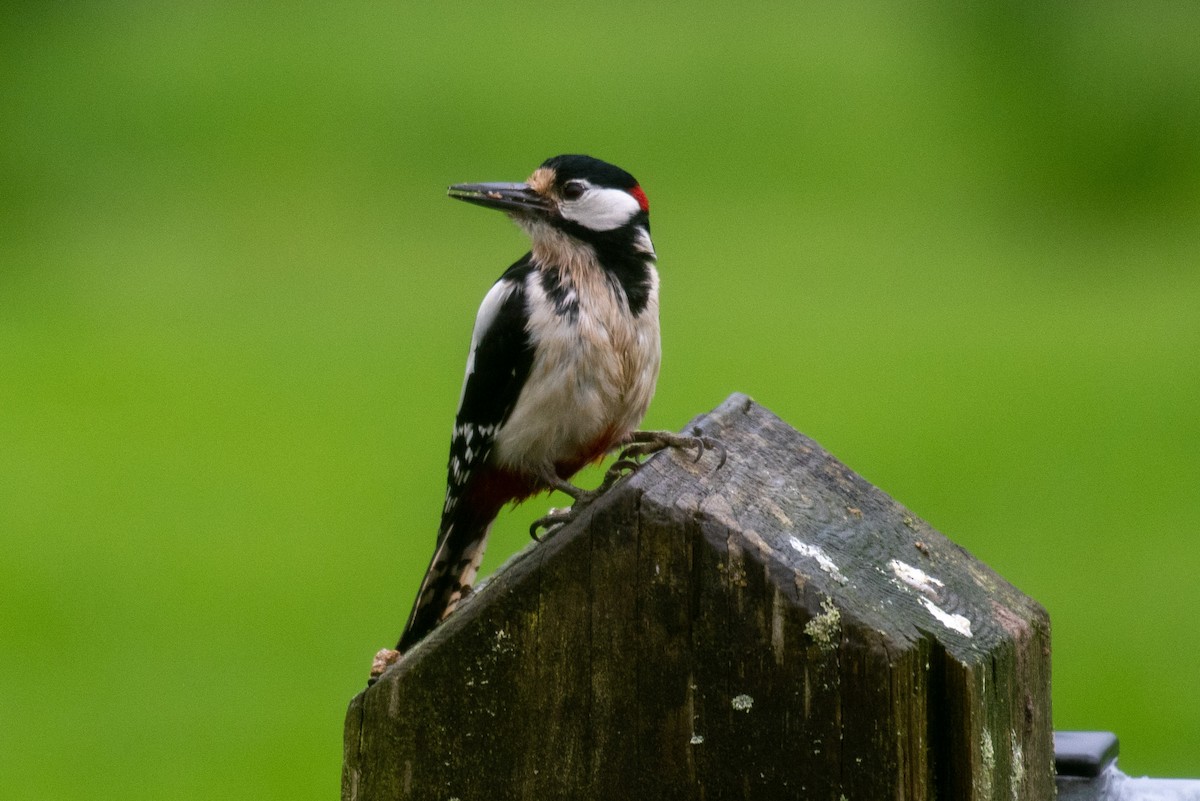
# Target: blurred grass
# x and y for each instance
(957, 246)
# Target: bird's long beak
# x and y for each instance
(506, 197)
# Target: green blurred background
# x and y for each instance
(958, 246)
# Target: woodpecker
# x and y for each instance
(563, 362)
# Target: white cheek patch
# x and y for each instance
(602, 209)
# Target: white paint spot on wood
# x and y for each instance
(822, 559)
(916, 578)
(954, 622)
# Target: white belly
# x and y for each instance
(592, 375)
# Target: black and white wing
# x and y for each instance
(497, 366)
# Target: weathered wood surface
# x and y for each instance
(775, 629)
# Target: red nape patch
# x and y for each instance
(641, 198)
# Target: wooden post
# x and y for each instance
(775, 629)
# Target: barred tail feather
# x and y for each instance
(451, 573)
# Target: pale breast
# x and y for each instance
(593, 374)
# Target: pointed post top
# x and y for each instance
(735, 633)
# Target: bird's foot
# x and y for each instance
(384, 659)
(582, 498)
(644, 443)
(640, 444)
(551, 521)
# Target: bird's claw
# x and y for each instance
(550, 522)
(645, 443)
(617, 471)
(556, 518)
(641, 443)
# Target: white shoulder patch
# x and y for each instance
(493, 301)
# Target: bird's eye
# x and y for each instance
(573, 190)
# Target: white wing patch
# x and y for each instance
(493, 301)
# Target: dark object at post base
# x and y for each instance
(1086, 764)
